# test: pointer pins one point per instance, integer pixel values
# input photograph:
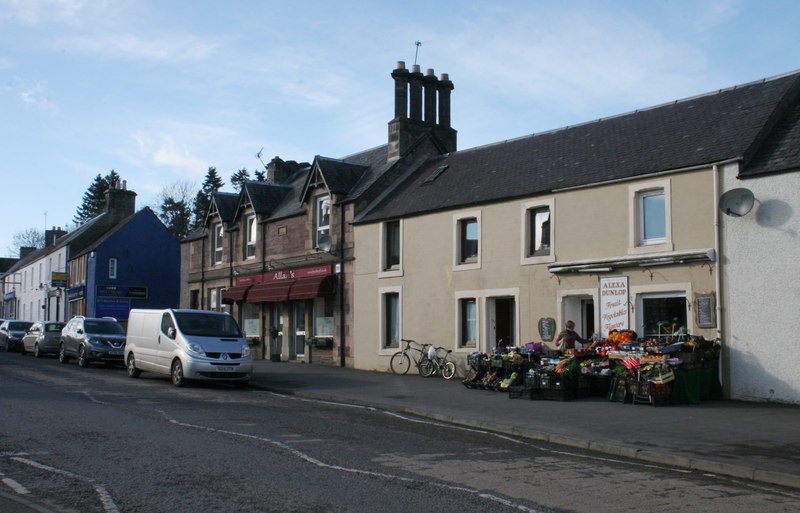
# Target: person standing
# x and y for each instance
(568, 337)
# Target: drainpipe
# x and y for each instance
(718, 277)
(202, 271)
(341, 288)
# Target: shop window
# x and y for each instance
(650, 217)
(217, 234)
(467, 241)
(251, 237)
(251, 320)
(323, 317)
(194, 299)
(468, 323)
(391, 248)
(662, 315)
(390, 318)
(322, 237)
(215, 299)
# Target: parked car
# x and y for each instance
(11, 333)
(187, 345)
(43, 338)
(92, 339)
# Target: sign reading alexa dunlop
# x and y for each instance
(613, 304)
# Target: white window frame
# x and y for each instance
(525, 223)
(251, 233)
(320, 200)
(635, 222)
(663, 290)
(460, 323)
(112, 268)
(383, 349)
(384, 271)
(218, 236)
(482, 316)
(457, 220)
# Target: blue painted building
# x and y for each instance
(122, 259)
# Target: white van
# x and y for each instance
(187, 345)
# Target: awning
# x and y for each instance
(314, 286)
(234, 294)
(270, 291)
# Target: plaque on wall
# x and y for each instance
(547, 328)
(705, 311)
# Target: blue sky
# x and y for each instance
(161, 90)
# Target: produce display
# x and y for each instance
(622, 367)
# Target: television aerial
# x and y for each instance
(737, 202)
(418, 43)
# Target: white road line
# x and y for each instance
(18, 488)
(105, 497)
(381, 475)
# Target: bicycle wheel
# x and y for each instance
(449, 370)
(426, 367)
(400, 363)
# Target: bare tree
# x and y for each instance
(29, 238)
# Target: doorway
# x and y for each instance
(502, 322)
(580, 310)
(299, 329)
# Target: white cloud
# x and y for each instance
(174, 47)
(36, 95)
(33, 12)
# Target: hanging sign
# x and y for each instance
(613, 304)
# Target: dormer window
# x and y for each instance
(217, 234)
(322, 236)
(252, 235)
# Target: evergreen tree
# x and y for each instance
(261, 176)
(94, 199)
(238, 178)
(175, 209)
(202, 201)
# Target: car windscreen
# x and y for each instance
(53, 327)
(19, 326)
(103, 327)
(207, 324)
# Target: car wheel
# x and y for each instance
(133, 372)
(62, 354)
(83, 359)
(178, 378)
(8, 346)
(36, 352)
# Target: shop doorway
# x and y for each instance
(502, 322)
(299, 329)
(579, 309)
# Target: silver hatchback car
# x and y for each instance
(43, 338)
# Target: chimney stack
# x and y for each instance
(50, 236)
(120, 201)
(410, 91)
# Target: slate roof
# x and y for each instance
(780, 152)
(226, 203)
(340, 176)
(264, 196)
(716, 127)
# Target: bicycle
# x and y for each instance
(412, 352)
(438, 364)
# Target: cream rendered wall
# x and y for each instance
(588, 223)
(762, 289)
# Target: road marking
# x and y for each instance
(319, 463)
(14, 485)
(105, 497)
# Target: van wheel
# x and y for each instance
(62, 354)
(83, 360)
(36, 352)
(178, 378)
(133, 372)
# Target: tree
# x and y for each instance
(261, 176)
(30, 238)
(175, 208)
(238, 178)
(202, 201)
(94, 199)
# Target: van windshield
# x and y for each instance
(103, 327)
(207, 324)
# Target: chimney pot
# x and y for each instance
(415, 68)
(445, 76)
(401, 64)
(429, 72)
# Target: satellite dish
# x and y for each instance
(737, 202)
(324, 243)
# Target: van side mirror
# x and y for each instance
(171, 333)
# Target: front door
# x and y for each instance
(501, 312)
(299, 329)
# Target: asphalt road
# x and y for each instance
(94, 440)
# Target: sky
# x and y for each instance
(161, 90)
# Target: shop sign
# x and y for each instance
(117, 291)
(113, 307)
(75, 293)
(286, 274)
(547, 328)
(613, 304)
(58, 279)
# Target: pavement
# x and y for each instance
(753, 441)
